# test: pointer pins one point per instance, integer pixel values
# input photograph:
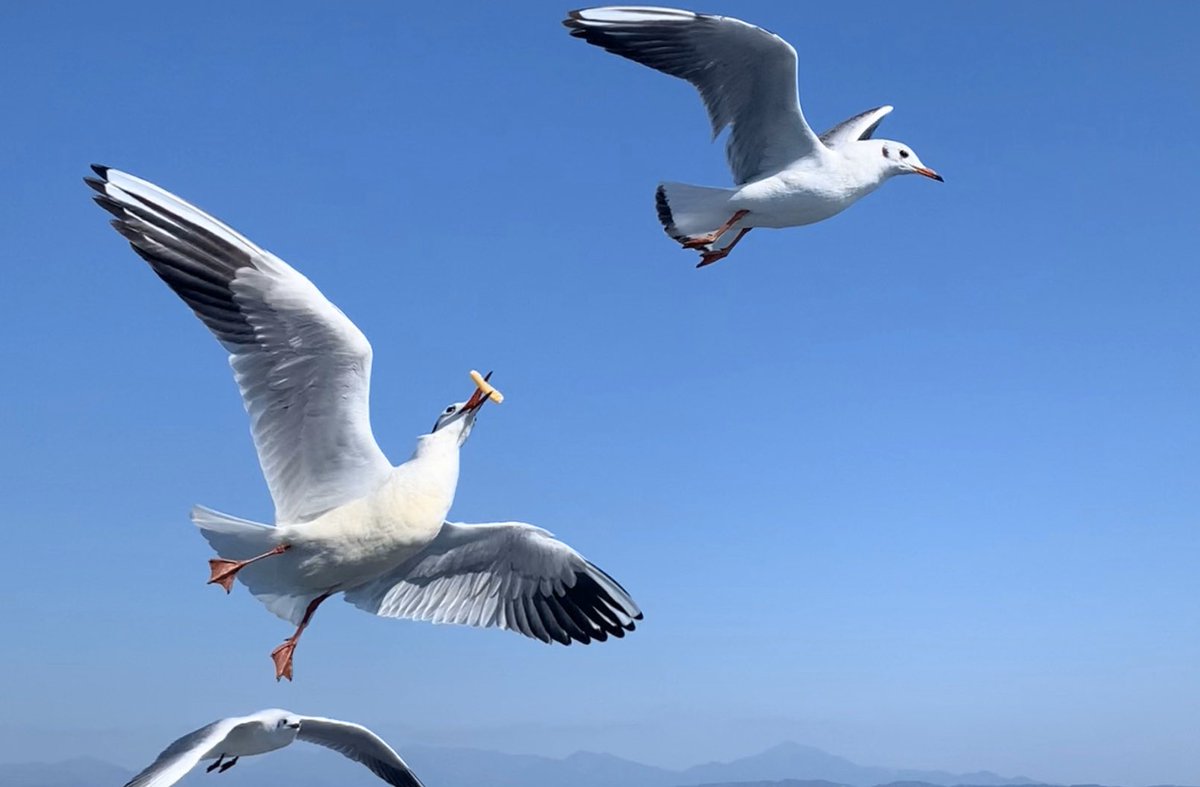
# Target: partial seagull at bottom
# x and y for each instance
(346, 520)
(227, 740)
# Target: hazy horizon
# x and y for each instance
(467, 763)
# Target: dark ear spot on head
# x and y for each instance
(885, 152)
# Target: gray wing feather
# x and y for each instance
(361, 745)
(181, 756)
(746, 76)
(303, 367)
(507, 575)
(859, 127)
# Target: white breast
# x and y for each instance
(360, 540)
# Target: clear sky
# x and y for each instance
(917, 485)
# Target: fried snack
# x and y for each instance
(484, 386)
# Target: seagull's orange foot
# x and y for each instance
(282, 656)
(223, 571)
(713, 255)
(709, 257)
(698, 241)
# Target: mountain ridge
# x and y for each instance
(787, 764)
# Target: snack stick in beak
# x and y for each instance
(486, 388)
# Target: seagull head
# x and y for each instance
(899, 159)
(458, 418)
(282, 720)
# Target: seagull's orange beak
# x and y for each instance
(927, 172)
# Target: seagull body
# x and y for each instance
(346, 520)
(267, 731)
(785, 174)
(355, 542)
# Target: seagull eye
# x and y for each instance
(450, 410)
(904, 154)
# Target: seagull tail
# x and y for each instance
(688, 211)
(234, 538)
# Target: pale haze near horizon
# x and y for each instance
(916, 485)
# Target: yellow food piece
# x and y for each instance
(486, 387)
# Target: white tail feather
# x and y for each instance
(235, 538)
(686, 211)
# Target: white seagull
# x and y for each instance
(242, 736)
(346, 520)
(785, 175)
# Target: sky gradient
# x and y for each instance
(916, 485)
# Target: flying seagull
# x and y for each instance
(346, 520)
(227, 740)
(785, 175)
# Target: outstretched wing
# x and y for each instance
(508, 575)
(861, 126)
(182, 755)
(361, 745)
(746, 76)
(303, 368)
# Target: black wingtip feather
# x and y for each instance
(595, 612)
(111, 205)
(663, 208)
(96, 185)
(101, 170)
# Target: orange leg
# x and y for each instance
(282, 655)
(223, 571)
(709, 257)
(699, 241)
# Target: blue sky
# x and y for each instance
(916, 485)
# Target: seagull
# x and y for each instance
(785, 175)
(227, 740)
(346, 520)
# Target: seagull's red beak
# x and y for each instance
(927, 172)
(478, 398)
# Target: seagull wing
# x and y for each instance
(303, 368)
(361, 745)
(746, 77)
(859, 127)
(183, 755)
(508, 575)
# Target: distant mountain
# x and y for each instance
(78, 772)
(781, 783)
(786, 765)
(793, 760)
(442, 767)
(802, 783)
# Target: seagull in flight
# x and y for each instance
(228, 740)
(346, 520)
(784, 174)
